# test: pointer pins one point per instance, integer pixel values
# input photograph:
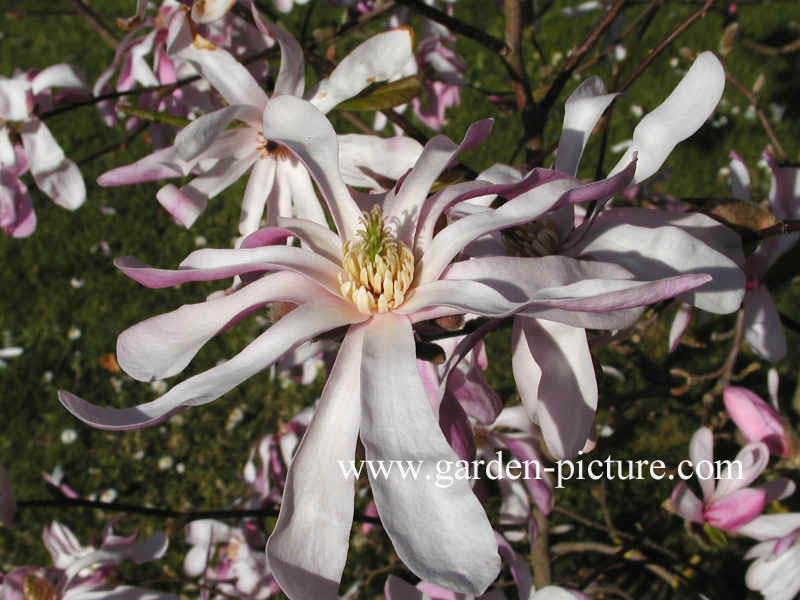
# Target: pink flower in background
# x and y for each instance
(85, 572)
(442, 74)
(232, 559)
(757, 420)
(727, 504)
(278, 185)
(27, 144)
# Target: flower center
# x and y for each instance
(378, 269)
(269, 148)
(537, 238)
(37, 588)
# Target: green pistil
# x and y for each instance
(374, 235)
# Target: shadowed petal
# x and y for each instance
(441, 533)
(308, 547)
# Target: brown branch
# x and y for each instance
(92, 19)
(457, 26)
(700, 12)
(753, 99)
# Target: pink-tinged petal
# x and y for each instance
(308, 133)
(566, 398)
(368, 161)
(8, 156)
(397, 589)
(201, 535)
(740, 178)
(448, 242)
(377, 59)
(756, 419)
(776, 578)
(784, 190)
(680, 324)
(14, 99)
(438, 153)
(750, 462)
(187, 203)
(736, 509)
(766, 527)
(158, 165)
(456, 428)
(683, 112)
(57, 176)
(8, 502)
(259, 186)
(475, 395)
(582, 111)
(523, 448)
(701, 448)
(464, 296)
(316, 237)
(778, 488)
(17, 218)
(163, 345)
(654, 245)
(305, 262)
(308, 547)
(304, 196)
(686, 504)
(207, 11)
(200, 134)
(518, 566)
(139, 552)
(228, 76)
(279, 201)
(301, 324)
(60, 75)
(441, 533)
(291, 75)
(515, 509)
(763, 328)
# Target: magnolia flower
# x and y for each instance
(267, 476)
(55, 175)
(729, 504)
(240, 569)
(763, 329)
(442, 77)
(378, 274)
(757, 420)
(775, 571)
(278, 182)
(130, 61)
(551, 361)
(84, 572)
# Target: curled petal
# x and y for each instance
(683, 112)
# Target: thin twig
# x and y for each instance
(762, 117)
(700, 12)
(93, 20)
(457, 26)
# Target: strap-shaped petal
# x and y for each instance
(431, 525)
(308, 547)
(683, 112)
(291, 75)
(301, 324)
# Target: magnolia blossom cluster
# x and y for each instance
(359, 249)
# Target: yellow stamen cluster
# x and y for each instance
(537, 238)
(378, 269)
